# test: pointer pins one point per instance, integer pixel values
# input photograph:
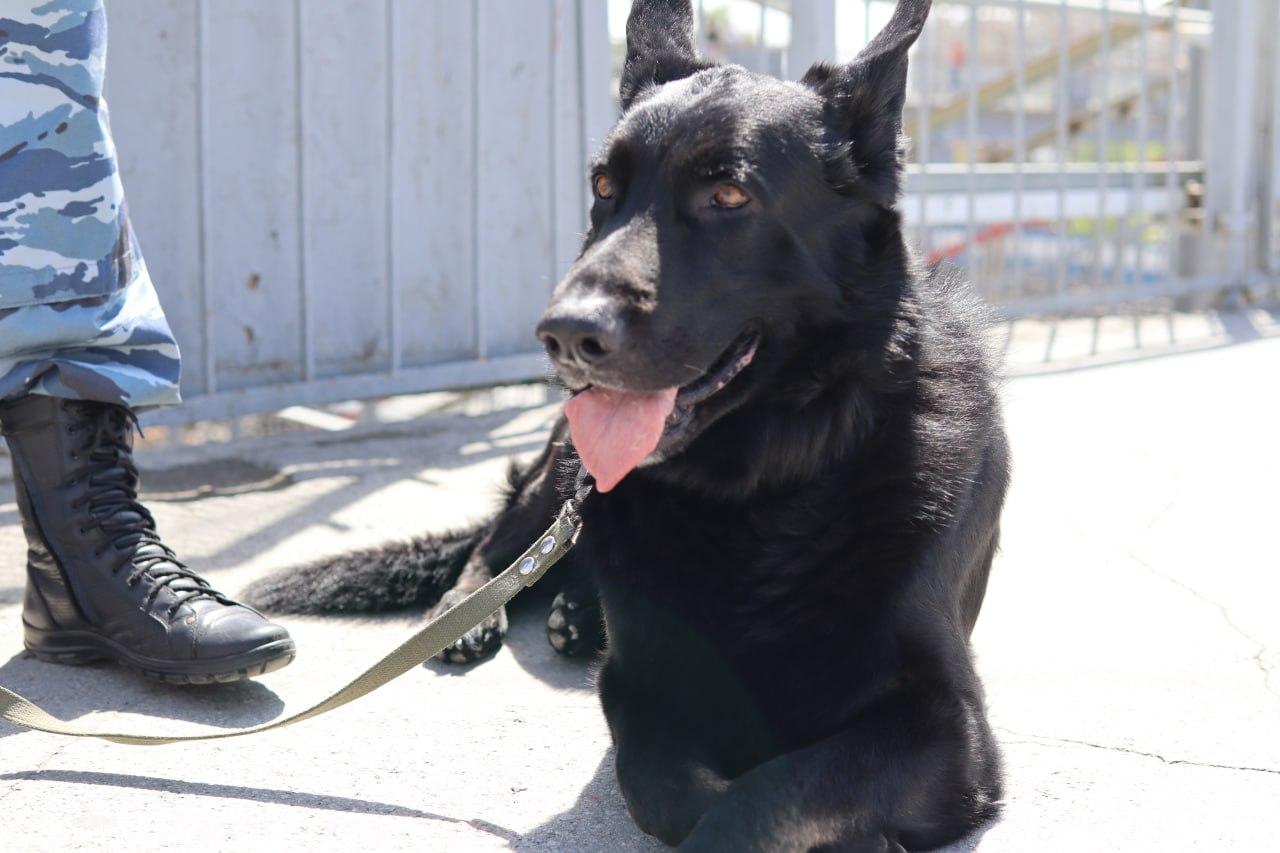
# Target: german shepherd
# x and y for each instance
(800, 465)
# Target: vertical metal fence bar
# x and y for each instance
(1104, 143)
(701, 26)
(971, 150)
(785, 58)
(762, 52)
(1273, 218)
(1174, 214)
(925, 54)
(304, 285)
(208, 349)
(554, 55)
(1060, 136)
(477, 288)
(1019, 138)
(393, 284)
(580, 26)
(1234, 77)
(1137, 204)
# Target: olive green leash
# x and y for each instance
(438, 634)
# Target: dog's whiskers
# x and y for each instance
(701, 371)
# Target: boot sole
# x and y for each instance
(77, 648)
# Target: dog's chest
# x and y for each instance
(703, 616)
(663, 572)
(740, 571)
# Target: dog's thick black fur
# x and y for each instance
(789, 582)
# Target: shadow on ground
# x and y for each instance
(598, 805)
(527, 642)
(297, 799)
(71, 692)
(372, 455)
(1041, 347)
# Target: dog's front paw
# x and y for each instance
(480, 642)
(575, 626)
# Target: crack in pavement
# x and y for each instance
(57, 751)
(1045, 740)
(40, 768)
(1259, 657)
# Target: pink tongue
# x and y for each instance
(615, 430)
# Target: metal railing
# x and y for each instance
(1057, 146)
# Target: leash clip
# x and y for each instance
(561, 537)
(582, 484)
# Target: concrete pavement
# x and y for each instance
(1130, 641)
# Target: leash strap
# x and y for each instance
(437, 635)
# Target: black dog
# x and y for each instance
(800, 460)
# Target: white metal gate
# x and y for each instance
(352, 198)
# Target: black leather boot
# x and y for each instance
(100, 583)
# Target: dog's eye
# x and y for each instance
(729, 196)
(602, 186)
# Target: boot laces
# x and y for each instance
(111, 497)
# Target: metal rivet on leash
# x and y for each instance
(526, 565)
(547, 545)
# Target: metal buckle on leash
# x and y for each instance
(562, 536)
(582, 484)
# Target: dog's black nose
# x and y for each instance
(578, 335)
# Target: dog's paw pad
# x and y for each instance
(480, 642)
(574, 627)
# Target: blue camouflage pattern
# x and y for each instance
(79, 316)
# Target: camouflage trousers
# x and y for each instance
(78, 315)
(113, 348)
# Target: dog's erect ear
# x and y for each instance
(864, 104)
(660, 46)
